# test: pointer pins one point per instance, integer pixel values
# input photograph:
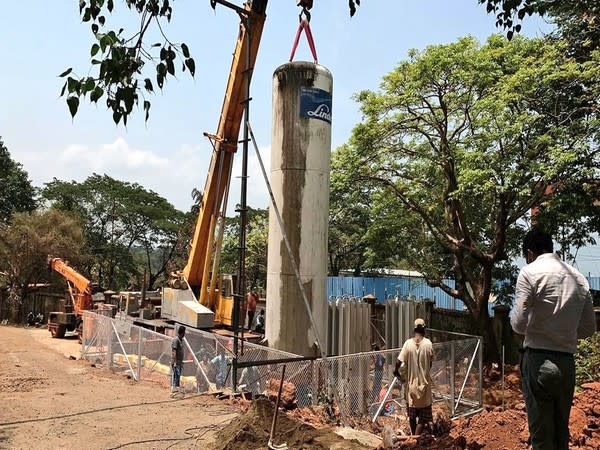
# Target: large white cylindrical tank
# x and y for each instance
(300, 162)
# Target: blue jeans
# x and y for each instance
(548, 380)
(176, 375)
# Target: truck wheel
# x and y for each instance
(58, 331)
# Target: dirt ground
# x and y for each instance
(49, 401)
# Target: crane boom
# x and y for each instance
(206, 242)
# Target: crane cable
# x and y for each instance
(304, 25)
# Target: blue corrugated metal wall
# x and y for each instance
(390, 287)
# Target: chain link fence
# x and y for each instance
(349, 386)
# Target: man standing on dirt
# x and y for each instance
(553, 308)
(414, 367)
(177, 360)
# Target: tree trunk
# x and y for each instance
(486, 329)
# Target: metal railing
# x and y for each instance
(350, 386)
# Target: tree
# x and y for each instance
(27, 241)
(122, 222)
(256, 246)
(458, 145)
(16, 192)
(125, 67)
(578, 21)
(349, 219)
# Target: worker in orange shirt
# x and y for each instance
(252, 300)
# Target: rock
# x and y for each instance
(594, 386)
(500, 421)
(596, 410)
(388, 437)
(524, 435)
(460, 442)
(498, 409)
(520, 406)
(288, 394)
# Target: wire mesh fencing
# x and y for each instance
(349, 387)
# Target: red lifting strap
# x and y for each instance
(304, 25)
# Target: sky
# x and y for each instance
(169, 153)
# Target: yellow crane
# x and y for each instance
(201, 272)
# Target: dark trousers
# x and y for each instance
(548, 380)
(250, 319)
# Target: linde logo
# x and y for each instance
(322, 112)
(315, 103)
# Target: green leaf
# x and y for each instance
(66, 72)
(101, 20)
(148, 85)
(72, 85)
(110, 5)
(117, 117)
(89, 85)
(73, 103)
(191, 65)
(170, 66)
(185, 50)
(95, 28)
(62, 91)
(95, 49)
(147, 109)
(96, 94)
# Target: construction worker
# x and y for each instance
(177, 360)
(252, 299)
(553, 308)
(260, 322)
(414, 367)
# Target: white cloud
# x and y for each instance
(110, 157)
(172, 174)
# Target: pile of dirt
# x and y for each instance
(251, 432)
(584, 423)
(494, 391)
(288, 399)
(508, 429)
(497, 429)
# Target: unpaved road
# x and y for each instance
(49, 401)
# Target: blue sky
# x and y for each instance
(169, 154)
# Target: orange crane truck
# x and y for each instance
(80, 299)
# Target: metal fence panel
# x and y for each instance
(350, 385)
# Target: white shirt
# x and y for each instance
(553, 306)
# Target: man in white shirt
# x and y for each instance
(414, 366)
(553, 308)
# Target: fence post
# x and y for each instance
(452, 376)
(315, 382)
(109, 339)
(480, 375)
(139, 364)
